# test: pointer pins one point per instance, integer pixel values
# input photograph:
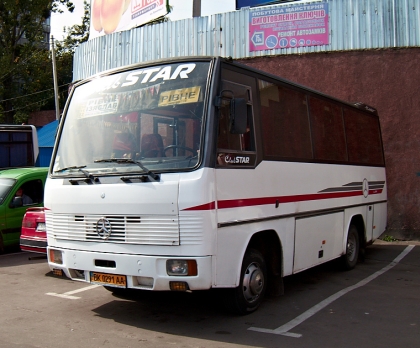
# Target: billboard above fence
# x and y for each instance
(254, 3)
(109, 16)
(296, 25)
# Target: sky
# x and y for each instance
(181, 9)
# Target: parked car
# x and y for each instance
(33, 236)
(20, 189)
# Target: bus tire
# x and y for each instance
(247, 297)
(1, 243)
(349, 259)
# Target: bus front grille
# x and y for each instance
(126, 229)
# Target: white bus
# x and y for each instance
(198, 173)
(18, 146)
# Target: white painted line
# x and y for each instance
(62, 296)
(284, 329)
(67, 295)
(82, 289)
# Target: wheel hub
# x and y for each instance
(351, 248)
(253, 282)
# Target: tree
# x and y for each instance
(25, 65)
(76, 35)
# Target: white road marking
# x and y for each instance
(67, 295)
(284, 329)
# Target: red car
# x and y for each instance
(33, 235)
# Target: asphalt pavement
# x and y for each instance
(375, 305)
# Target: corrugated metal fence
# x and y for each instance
(353, 24)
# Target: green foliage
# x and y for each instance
(387, 238)
(1, 114)
(20, 117)
(76, 34)
(26, 80)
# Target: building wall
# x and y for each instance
(388, 80)
(41, 118)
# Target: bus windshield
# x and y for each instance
(135, 120)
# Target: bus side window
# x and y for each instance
(247, 139)
(235, 142)
(226, 140)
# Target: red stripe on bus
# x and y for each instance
(207, 206)
(236, 203)
(249, 202)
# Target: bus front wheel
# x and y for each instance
(349, 259)
(248, 296)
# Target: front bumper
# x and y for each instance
(144, 272)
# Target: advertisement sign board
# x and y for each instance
(254, 3)
(295, 25)
(109, 16)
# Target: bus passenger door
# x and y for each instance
(234, 177)
(236, 153)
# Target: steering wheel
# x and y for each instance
(178, 147)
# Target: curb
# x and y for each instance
(397, 242)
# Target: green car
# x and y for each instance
(20, 189)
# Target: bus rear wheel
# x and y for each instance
(247, 297)
(349, 259)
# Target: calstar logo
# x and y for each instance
(159, 73)
(154, 74)
(236, 159)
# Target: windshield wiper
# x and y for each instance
(80, 169)
(129, 160)
(68, 168)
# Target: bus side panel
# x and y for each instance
(232, 243)
(369, 223)
(318, 240)
(379, 219)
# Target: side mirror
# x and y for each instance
(238, 116)
(16, 202)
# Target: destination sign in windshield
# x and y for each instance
(179, 96)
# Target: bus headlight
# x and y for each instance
(56, 256)
(181, 267)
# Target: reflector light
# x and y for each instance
(28, 223)
(58, 272)
(56, 257)
(179, 286)
(192, 268)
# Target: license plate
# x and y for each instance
(116, 280)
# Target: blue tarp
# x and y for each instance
(46, 138)
(46, 134)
